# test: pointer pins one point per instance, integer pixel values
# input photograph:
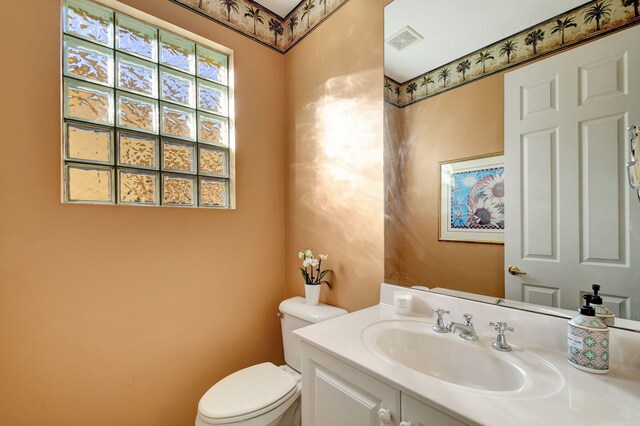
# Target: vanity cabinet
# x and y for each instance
(336, 394)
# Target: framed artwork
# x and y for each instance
(472, 199)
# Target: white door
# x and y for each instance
(571, 217)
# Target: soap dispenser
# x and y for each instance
(588, 340)
(602, 312)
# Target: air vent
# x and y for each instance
(404, 38)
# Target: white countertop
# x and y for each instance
(580, 398)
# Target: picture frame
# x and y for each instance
(471, 202)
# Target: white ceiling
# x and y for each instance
(454, 28)
(281, 7)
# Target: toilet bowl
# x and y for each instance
(265, 394)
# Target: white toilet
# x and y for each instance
(264, 394)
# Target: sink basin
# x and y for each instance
(452, 360)
(472, 365)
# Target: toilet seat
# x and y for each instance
(249, 393)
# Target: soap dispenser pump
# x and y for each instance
(602, 312)
(588, 340)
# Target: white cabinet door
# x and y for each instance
(416, 413)
(335, 394)
(571, 217)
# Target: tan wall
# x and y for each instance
(394, 233)
(464, 122)
(334, 137)
(125, 315)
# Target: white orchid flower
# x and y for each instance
(315, 275)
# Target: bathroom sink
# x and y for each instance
(446, 357)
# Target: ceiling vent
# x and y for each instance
(404, 38)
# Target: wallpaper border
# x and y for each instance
(263, 25)
(590, 21)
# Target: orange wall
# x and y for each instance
(124, 315)
(334, 138)
(464, 122)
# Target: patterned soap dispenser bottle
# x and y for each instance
(602, 312)
(588, 340)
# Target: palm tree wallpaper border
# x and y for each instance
(263, 25)
(591, 20)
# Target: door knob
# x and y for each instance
(514, 270)
(384, 416)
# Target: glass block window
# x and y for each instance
(146, 113)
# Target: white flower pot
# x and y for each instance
(312, 294)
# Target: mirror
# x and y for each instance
(462, 83)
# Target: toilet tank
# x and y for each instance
(294, 314)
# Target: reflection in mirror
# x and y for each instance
(465, 81)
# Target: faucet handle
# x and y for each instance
(501, 327)
(440, 312)
(501, 341)
(467, 319)
(439, 327)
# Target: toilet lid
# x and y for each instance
(246, 391)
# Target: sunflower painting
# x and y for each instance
(472, 200)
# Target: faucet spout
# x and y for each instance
(467, 332)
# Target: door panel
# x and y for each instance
(540, 97)
(539, 189)
(540, 295)
(340, 403)
(602, 212)
(336, 394)
(416, 413)
(603, 79)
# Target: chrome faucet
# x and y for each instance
(467, 332)
(439, 327)
(501, 340)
